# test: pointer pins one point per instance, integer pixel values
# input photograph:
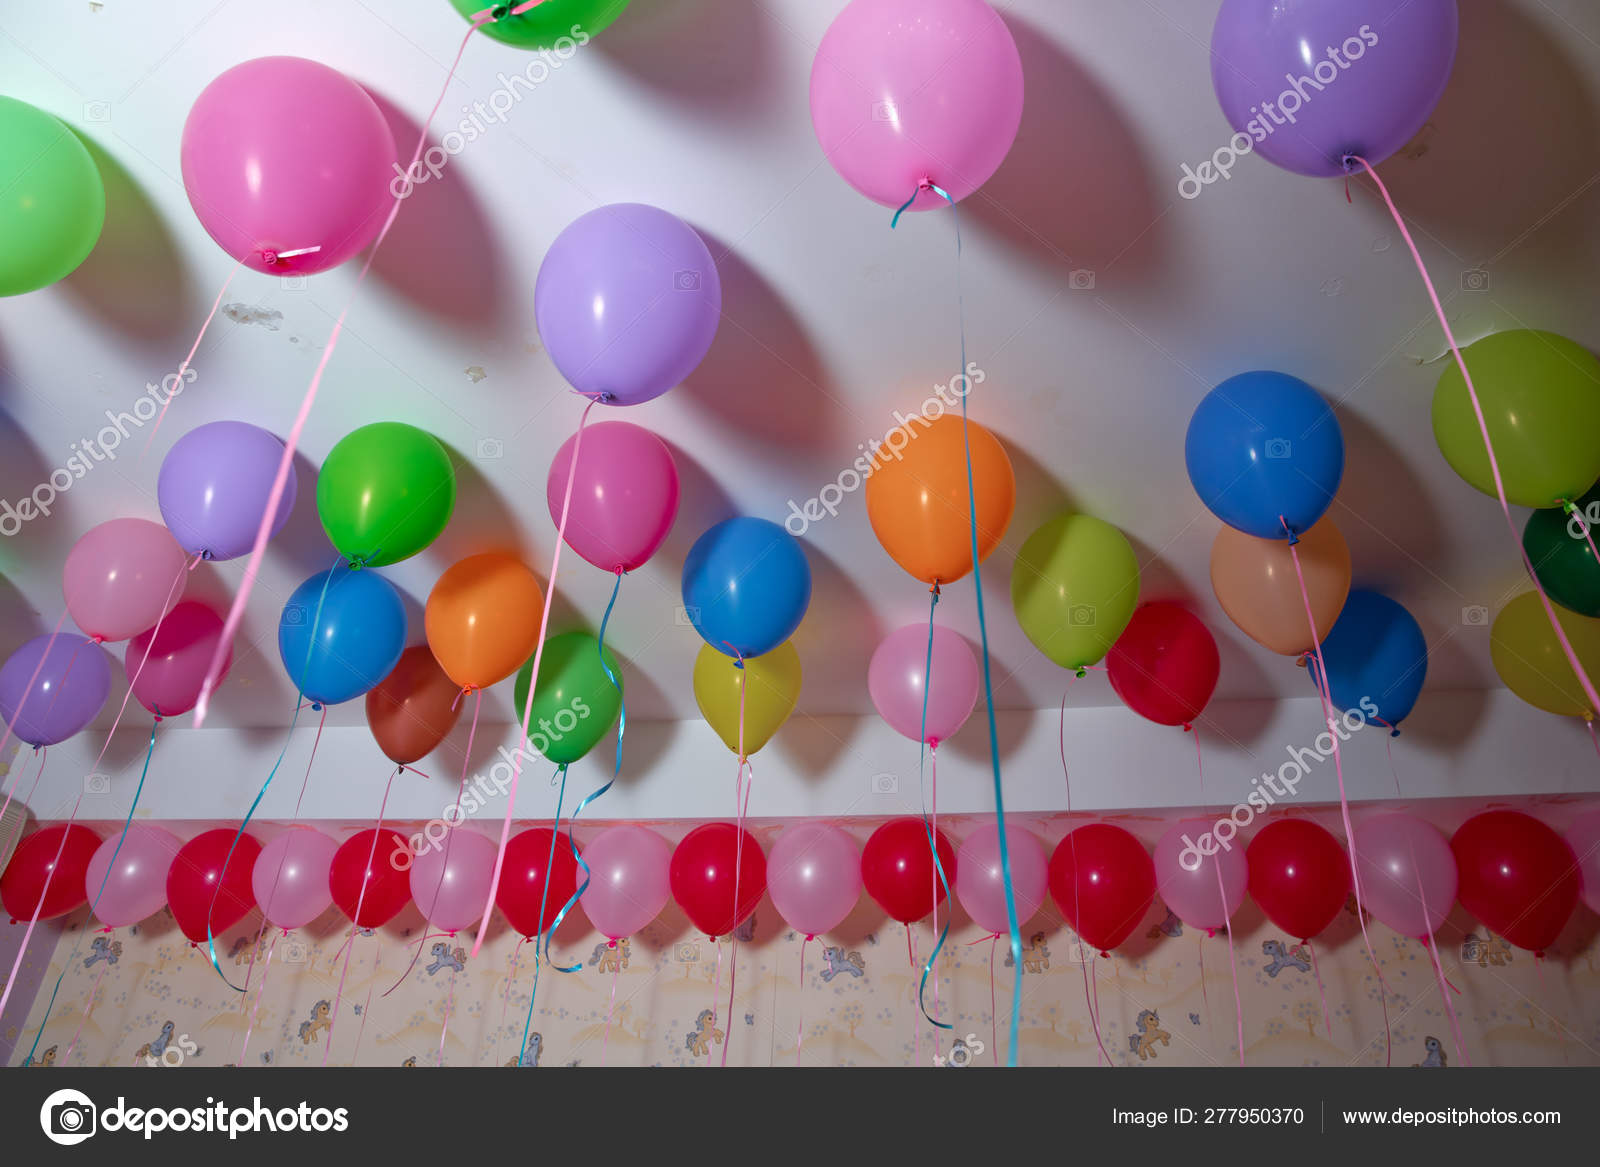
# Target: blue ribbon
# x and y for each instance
(933, 846)
(533, 994)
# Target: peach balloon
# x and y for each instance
(482, 618)
(1255, 583)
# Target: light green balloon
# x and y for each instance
(52, 202)
(1074, 588)
(544, 26)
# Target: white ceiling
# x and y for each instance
(831, 320)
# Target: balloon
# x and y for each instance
(548, 24)
(771, 685)
(627, 302)
(1165, 664)
(1377, 658)
(384, 492)
(414, 708)
(746, 586)
(980, 883)
(814, 875)
(1074, 588)
(1103, 882)
(1189, 886)
(291, 878)
(126, 880)
(288, 165)
(482, 618)
(624, 494)
(341, 632)
(64, 850)
(204, 881)
(1299, 876)
(1584, 839)
(1255, 582)
(918, 502)
(1267, 54)
(52, 687)
(1404, 864)
(121, 577)
(166, 666)
(910, 92)
(897, 869)
(703, 877)
(896, 681)
(52, 201)
(1517, 876)
(450, 880)
(575, 704)
(529, 863)
(1561, 555)
(214, 485)
(1264, 449)
(628, 879)
(363, 872)
(1529, 658)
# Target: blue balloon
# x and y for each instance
(347, 645)
(1376, 656)
(1265, 445)
(746, 586)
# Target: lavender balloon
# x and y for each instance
(814, 877)
(1408, 873)
(214, 485)
(127, 877)
(52, 687)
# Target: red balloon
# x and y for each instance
(897, 868)
(1299, 875)
(1517, 875)
(358, 862)
(1103, 881)
(702, 877)
(22, 888)
(522, 879)
(198, 879)
(1164, 666)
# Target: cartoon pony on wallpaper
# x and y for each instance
(698, 1041)
(610, 956)
(530, 1055)
(154, 1049)
(446, 957)
(1436, 1059)
(839, 961)
(1143, 1043)
(1283, 957)
(104, 949)
(320, 1020)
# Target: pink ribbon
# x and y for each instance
(266, 966)
(1316, 971)
(194, 348)
(800, 1026)
(1238, 1006)
(611, 1009)
(361, 898)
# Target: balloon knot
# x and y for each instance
(316, 707)
(1082, 672)
(97, 638)
(1104, 953)
(1568, 506)
(1394, 731)
(934, 590)
(1294, 539)
(611, 943)
(205, 555)
(1188, 728)
(499, 12)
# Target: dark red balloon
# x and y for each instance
(197, 879)
(387, 879)
(1299, 875)
(22, 888)
(1165, 665)
(702, 877)
(1103, 881)
(1517, 876)
(897, 868)
(522, 879)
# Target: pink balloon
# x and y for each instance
(290, 878)
(895, 680)
(628, 884)
(1187, 879)
(166, 666)
(907, 92)
(122, 576)
(450, 879)
(980, 885)
(1405, 863)
(282, 154)
(814, 875)
(624, 495)
(1584, 839)
(134, 888)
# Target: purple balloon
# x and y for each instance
(629, 879)
(53, 686)
(290, 878)
(1306, 82)
(1189, 885)
(134, 886)
(814, 877)
(214, 485)
(627, 302)
(980, 882)
(1408, 873)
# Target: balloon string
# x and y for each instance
(1483, 429)
(916, 1026)
(55, 865)
(1199, 762)
(994, 1012)
(738, 854)
(361, 898)
(277, 876)
(444, 1020)
(87, 1009)
(1589, 724)
(1438, 968)
(611, 1008)
(194, 348)
(933, 957)
(11, 722)
(1094, 985)
(549, 866)
(716, 998)
(533, 993)
(266, 966)
(1316, 971)
(426, 936)
(1238, 1006)
(800, 1026)
(377, 960)
(505, 1003)
(1061, 739)
(928, 751)
(1388, 748)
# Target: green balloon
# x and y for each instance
(1541, 401)
(1560, 554)
(52, 201)
(1074, 588)
(544, 26)
(576, 702)
(385, 492)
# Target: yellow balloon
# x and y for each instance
(771, 687)
(1530, 661)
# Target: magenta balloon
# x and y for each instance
(282, 154)
(290, 878)
(450, 880)
(123, 576)
(814, 876)
(980, 884)
(895, 680)
(906, 92)
(52, 687)
(624, 494)
(133, 887)
(628, 883)
(1584, 839)
(167, 666)
(1187, 880)
(214, 486)
(1405, 863)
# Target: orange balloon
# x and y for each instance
(917, 497)
(482, 619)
(414, 708)
(1256, 585)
